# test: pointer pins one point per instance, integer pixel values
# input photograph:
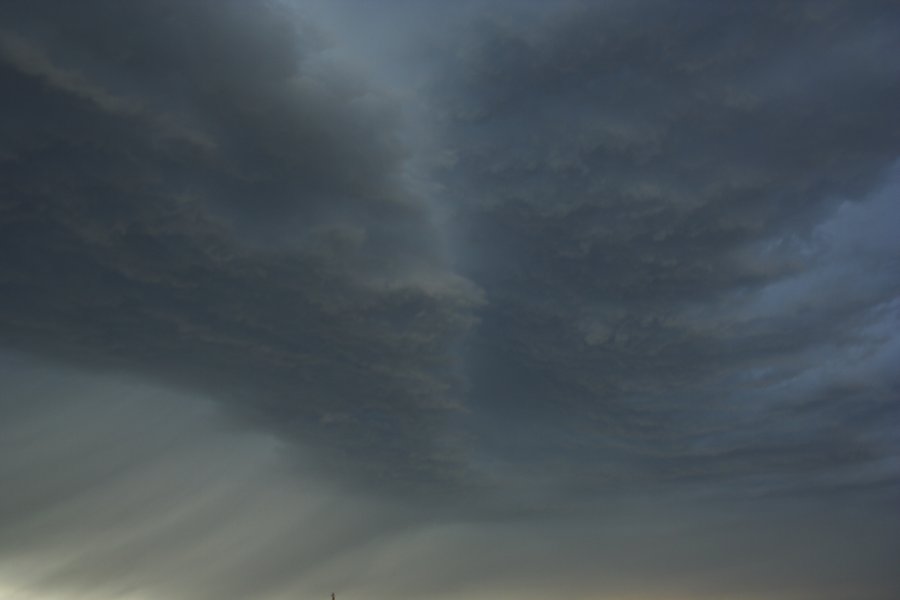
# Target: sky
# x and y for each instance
(482, 300)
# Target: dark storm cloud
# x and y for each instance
(622, 273)
(192, 190)
(659, 199)
(664, 204)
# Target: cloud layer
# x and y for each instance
(190, 190)
(664, 206)
(504, 298)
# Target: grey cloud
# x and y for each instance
(608, 306)
(629, 179)
(644, 193)
(192, 190)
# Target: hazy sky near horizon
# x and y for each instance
(477, 300)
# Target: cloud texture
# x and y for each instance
(191, 191)
(497, 299)
(657, 200)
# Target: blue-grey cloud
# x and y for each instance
(192, 190)
(657, 200)
(419, 300)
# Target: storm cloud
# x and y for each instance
(657, 200)
(492, 299)
(190, 190)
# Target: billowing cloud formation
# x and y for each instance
(664, 204)
(189, 189)
(498, 299)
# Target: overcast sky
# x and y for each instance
(482, 300)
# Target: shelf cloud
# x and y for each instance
(417, 300)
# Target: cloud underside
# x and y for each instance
(665, 206)
(191, 192)
(659, 256)
(573, 298)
